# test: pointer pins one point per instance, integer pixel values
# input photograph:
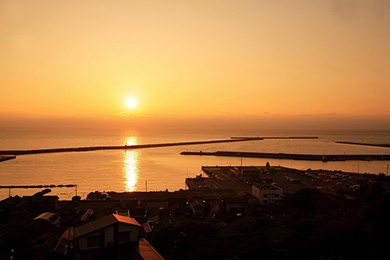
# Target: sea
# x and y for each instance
(163, 168)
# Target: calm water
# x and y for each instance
(160, 168)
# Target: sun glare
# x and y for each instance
(131, 102)
(131, 165)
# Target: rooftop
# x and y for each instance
(266, 187)
(103, 222)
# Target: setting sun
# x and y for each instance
(131, 102)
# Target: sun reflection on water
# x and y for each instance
(130, 165)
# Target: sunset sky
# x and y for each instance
(320, 60)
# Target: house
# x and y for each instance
(198, 206)
(9, 208)
(234, 204)
(107, 231)
(49, 217)
(112, 237)
(139, 212)
(44, 203)
(267, 193)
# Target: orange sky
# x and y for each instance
(194, 59)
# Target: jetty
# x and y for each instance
(37, 186)
(120, 147)
(6, 157)
(272, 137)
(140, 146)
(289, 156)
(47, 190)
(366, 144)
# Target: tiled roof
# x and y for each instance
(103, 222)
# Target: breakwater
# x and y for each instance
(307, 157)
(140, 146)
(272, 137)
(366, 144)
(120, 147)
(6, 157)
(37, 186)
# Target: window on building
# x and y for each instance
(276, 195)
(265, 201)
(93, 241)
(124, 236)
(264, 195)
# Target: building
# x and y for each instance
(198, 207)
(247, 173)
(49, 217)
(267, 193)
(112, 237)
(235, 205)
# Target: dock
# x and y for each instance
(289, 156)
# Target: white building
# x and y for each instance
(267, 193)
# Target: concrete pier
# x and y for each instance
(6, 157)
(273, 137)
(120, 147)
(365, 144)
(307, 157)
